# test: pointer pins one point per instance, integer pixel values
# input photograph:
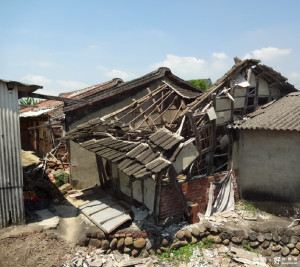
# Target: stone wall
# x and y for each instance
(268, 242)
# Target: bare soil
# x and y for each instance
(36, 249)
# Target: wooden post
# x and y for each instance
(158, 178)
(100, 170)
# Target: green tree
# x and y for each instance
(201, 83)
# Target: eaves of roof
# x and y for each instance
(126, 87)
(24, 87)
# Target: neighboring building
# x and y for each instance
(11, 173)
(43, 124)
(266, 154)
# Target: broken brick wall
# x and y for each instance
(196, 191)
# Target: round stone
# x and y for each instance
(134, 253)
(225, 242)
(265, 244)
(268, 236)
(127, 250)
(113, 243)
(298, 246)
(266, 253)
(217, 239)
(128, 241)
(105, 244)
(95, 243)
(285, 251)
(158, 251)
(139, 243)
(254, 244)
(120, 243)
(187, 234)
(285, 239)
(295, 252)
(165, 242)
(237, 240)
(195, 232)
(151, 251)
(290, 245)
(194, 240)
(294, 239)
(276, 248)
(276, 238)
(261, 238)
(252, 236)
(180, 234)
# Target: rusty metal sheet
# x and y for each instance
(105, 213)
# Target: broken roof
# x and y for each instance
(283, 114)
(138, 158)
(178, 84)
(271, 76)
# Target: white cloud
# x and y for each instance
(93, 46)
(44, 63)
(195, 68)
(294, 78)
(116, 73)
(37, 79)
(219, 56)
(268, 53)
(71, 85)
(188, 67)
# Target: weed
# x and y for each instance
(247, 246)
(208, 243)
(247, 207)
(182, 254)
(61, 177)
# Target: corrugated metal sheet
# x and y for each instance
(11, 176)
(105, 213)
(35, 113)
(283, 114)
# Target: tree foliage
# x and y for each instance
(200, 83)
(27, 101)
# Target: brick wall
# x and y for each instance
(195, 191)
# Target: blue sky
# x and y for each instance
(67, 45)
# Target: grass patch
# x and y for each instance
(182, 254)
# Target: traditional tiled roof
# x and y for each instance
(137, 158)
(283, 114)
(183, 87)
(78, 94)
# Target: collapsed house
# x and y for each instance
(165, 149)
(266, 155)
(11, 175)
(114, 98)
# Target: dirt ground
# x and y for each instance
(38, 249)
